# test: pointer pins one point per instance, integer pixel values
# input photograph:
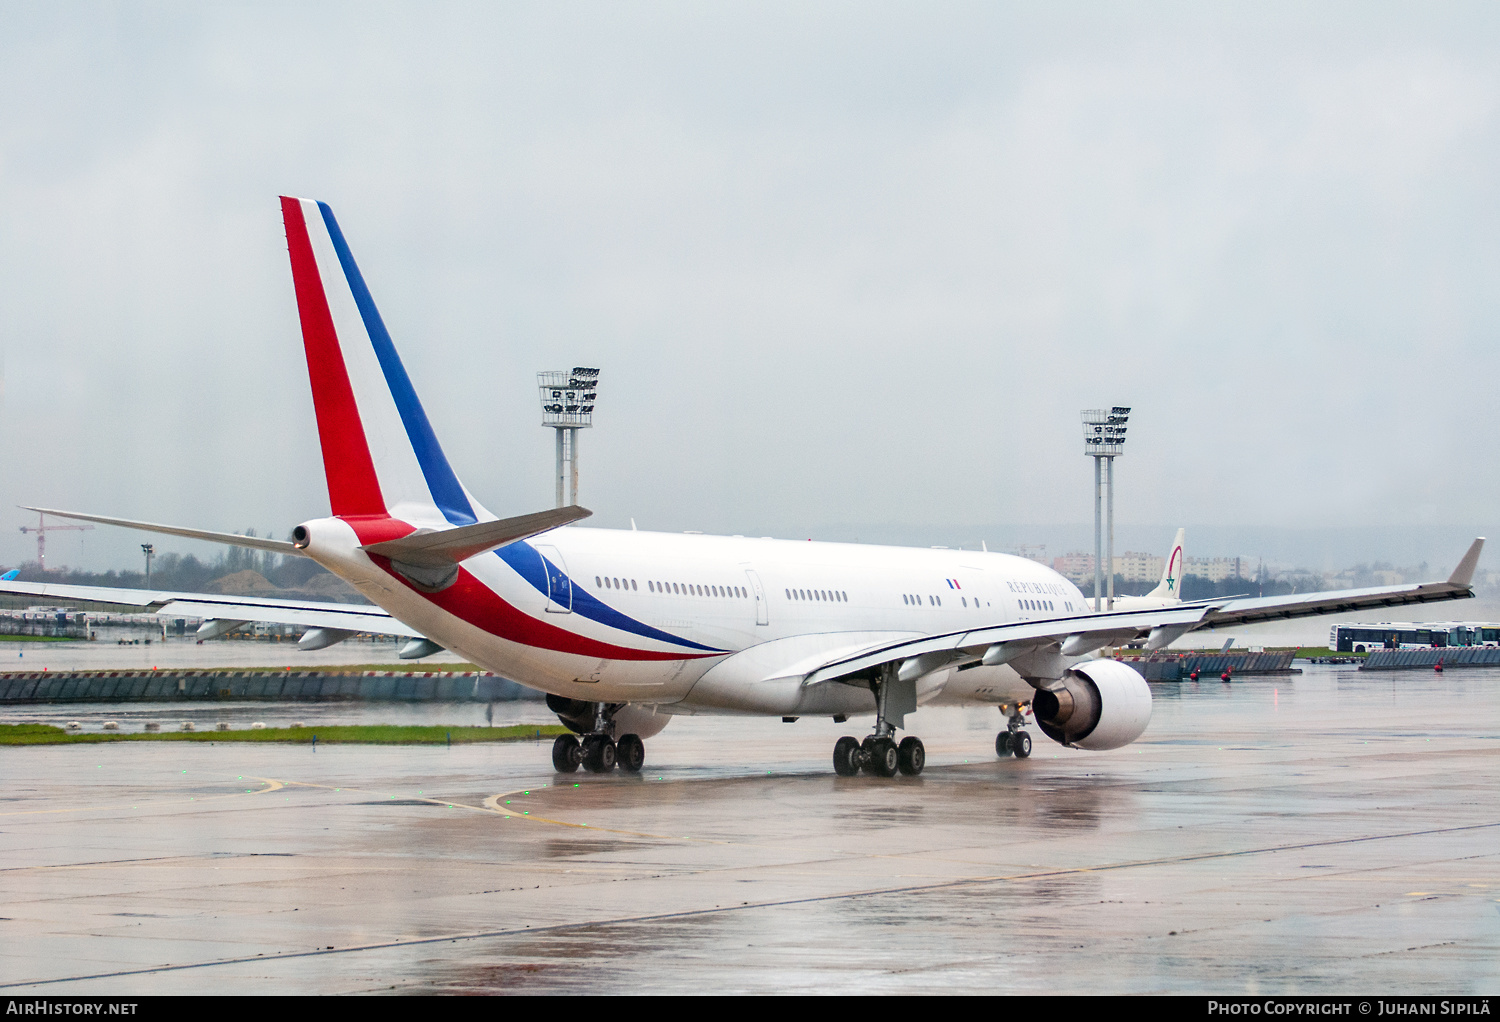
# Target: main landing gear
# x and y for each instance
(596, 751)
(598, 754)
(1013, 741)
(880, 754)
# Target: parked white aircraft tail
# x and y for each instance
(1171, 572)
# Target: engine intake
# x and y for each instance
(1098, 705)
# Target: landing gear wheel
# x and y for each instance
(630, 753)
(884, 759)
(1021, 745)
(911, 756)
(845, 756)
(598, 754)
(566, 755)
(1002, 744)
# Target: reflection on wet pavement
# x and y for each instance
(1329, 832)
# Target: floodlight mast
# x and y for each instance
(1104, 440)
(568, 406)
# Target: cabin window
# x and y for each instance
(633, 587)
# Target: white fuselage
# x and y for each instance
(647, 617)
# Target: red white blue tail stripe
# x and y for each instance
(387, 474)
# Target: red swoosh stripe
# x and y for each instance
(353, 488)
(471, 600)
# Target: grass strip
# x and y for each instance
(1308, 652)
(39, 638)
(343, 734)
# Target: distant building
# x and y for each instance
(1136, 567)
(1033, 552)
(1215, 569)
(1078, 567)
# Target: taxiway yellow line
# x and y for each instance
(491, 806)
(272, 783)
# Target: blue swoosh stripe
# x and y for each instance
(528, 562)
(446, 492)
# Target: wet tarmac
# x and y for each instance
(1332, 832)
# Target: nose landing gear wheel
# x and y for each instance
(598, 754)
(845, 756)
(884, 759)
(630, 753)
(911, 756)
(1002, 744)
(1022, 745)
(566, 755)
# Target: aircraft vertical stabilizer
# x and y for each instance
(379, 451)
(1170, 586)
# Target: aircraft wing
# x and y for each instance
(350, 617)
(1042, 644)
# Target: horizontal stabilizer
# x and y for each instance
(279, 546)
(450, 546)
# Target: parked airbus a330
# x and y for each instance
(625, 629)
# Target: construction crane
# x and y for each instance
(41, 528)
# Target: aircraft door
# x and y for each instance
(559, 585)
(762, 610)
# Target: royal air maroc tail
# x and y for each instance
(1168, 592)
(624, 629)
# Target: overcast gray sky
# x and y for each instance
(842, 264)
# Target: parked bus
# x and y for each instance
(1362, 638)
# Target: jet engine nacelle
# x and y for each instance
(578, 716)
(1098, 704)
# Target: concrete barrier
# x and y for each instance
(1178, 668)
(1451, 656)
(270, 686)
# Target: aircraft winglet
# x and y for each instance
(1463, 575)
